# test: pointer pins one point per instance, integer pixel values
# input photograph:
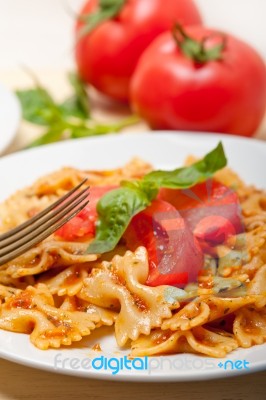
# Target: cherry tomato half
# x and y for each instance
(83, 224)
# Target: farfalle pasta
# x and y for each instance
(122, 284)
(58, 292)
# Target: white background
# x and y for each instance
(39, 33)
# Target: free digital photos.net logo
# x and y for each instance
(148, 365)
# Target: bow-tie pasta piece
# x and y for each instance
(47, 255)
(250, 326)
(33, 311)
(106, 317)
(205, 309)
(6, 292)
(198, 340)
(121, 285)
(67, 282)
(257, 287)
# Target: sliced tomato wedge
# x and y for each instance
(83, 224)
(211, 210)
(175, 257)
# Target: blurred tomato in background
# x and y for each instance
(107, 51)
(110, 43)
(200, 79)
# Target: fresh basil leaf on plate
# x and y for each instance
(186, 177)
(116, 209)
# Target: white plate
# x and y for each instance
(10, 114)
(165, 150)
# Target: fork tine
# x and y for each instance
(42, 213)
(50, 220)
(37, 239)
(40, 222)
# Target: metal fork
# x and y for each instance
(22, 238)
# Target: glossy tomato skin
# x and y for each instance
(107, 56)
(171, 91)
(175, 257)
(211, 210)
(83, 224)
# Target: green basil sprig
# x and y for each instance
(70, 119)
(119, 206)
(185, 177)
(116, 209)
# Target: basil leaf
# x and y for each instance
(98, 129)
(38, 106)
(118, 207)
(78, 105)
(183, 178)
(71, 108)
(81, 132)
(94, 130)
(116, 210)
(150, 189)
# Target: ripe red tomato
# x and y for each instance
(175, 257)
(83, 224)
(211, 210)
(173, 88)
(107, 56)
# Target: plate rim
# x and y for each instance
(166, 133)
(217, 375)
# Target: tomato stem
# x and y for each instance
(197, 50)
(107, 9)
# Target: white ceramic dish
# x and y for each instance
(164, 150)
(10, 114)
